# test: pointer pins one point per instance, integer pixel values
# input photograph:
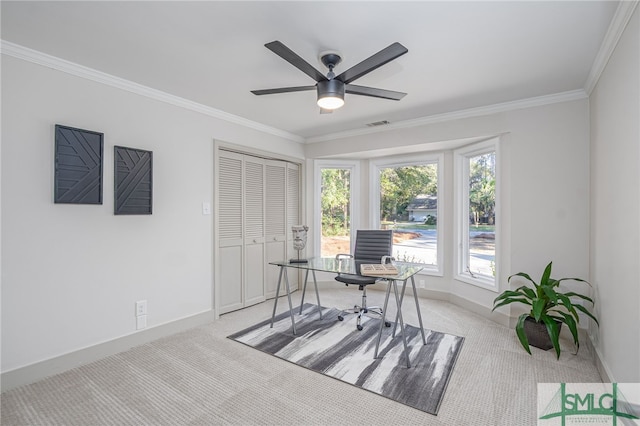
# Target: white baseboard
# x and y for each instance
(469, 305)
(37, 371)
(481, 310)
(603, 368)
(424, 293)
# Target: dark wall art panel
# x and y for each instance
(78, 166)
(133, 181)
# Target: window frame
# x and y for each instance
(354, 185)
(461, 213)
(374, 197)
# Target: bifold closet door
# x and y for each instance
(230, 235)
(293, 207)
(275, 220)
(257, 203)
(254, 263)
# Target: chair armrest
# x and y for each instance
(387, 259)
(339, 255)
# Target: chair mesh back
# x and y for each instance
(372, 245)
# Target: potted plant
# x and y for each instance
(550, 308)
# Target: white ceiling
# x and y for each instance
(461, 54)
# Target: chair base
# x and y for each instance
(361, 311)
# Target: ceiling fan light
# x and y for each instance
(330, 102)
(330, 94)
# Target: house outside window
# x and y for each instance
(424, 209)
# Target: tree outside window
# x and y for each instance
(335, 202)
(479, 247)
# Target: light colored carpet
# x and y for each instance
(199, 377)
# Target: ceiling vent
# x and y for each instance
(378, 123)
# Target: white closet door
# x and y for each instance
(275, 220)
(276, 212)
(293, 218)
(293, 207)
(254, 264)
(257, 202)
(230, 224)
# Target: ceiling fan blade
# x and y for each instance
(325, 111)
(290, 56)
(377, 60)
(373, 92)
(283, 90)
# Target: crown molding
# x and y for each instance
(36, 57)
(461, 114)
(617, 26)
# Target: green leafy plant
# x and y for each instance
(548, 305)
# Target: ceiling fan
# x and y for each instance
(331, 88)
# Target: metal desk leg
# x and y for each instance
(286, 282)
(275, 301)
(304, 290)
(395, 324)
(404, 336)
(315, 284)
(384, 312)
(415, 298)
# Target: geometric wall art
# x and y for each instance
(78, 166)
(133, 181)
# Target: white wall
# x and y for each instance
(72, 273)
(545, 177)
(615, 207)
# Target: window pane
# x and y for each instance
(409, 206)
(335, 195)
(482, 216)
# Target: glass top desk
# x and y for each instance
(406, 272)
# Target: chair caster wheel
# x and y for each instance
(359, 327)
(387, 324)
(340, 318)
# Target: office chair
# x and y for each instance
(372, 246)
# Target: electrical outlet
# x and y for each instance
(141, 322)
(141, 308)
(422, 284)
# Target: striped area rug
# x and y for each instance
(337, 349)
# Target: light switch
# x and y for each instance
(206, 208)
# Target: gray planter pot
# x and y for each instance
(537, 333)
